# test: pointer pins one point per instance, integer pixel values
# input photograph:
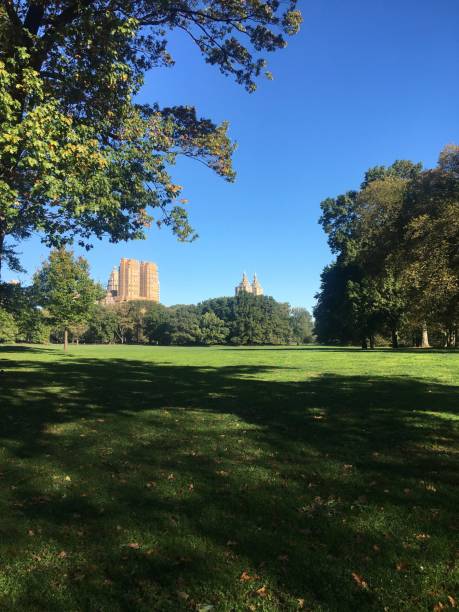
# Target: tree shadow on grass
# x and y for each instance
(156, 486)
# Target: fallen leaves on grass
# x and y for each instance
(246, 577)
(360, 582)
(262, 591)
(401, 566)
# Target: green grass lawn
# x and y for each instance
(154, 478)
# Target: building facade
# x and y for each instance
(133, 280)
(245, 286)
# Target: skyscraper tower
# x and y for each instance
(149, 282)
(113, 282)
(133, 280)
(257, 289)
(244, 285)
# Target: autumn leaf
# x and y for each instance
(401, 566)
(360, 582)
(452, 601)
(246, 577)
(62, 554)
(300, 603)
(134, 545)
(262, 592)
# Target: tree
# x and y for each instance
(8, 327)
(102, 325)
(64, 288)
(365, 230)
(333, 313)
(301, 325)
(78, 157)
(213, 329)
(431, 238)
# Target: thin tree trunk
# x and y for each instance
(425, 336)
(66, 339)
(394, 333)
(364, 344)
(2, 243)
(372, 341)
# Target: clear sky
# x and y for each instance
(364, 83)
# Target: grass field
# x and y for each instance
(154, 478)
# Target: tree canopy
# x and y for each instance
(64, 288)
(397, 247)
(78, 156)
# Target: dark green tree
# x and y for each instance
(213, 329)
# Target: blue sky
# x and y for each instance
(364, 83)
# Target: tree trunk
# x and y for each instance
(372, 341)
(394, 334)
(364, 344)
(66, 339)
(425, 336)
(2, 243)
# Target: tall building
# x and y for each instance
(129, 280)
(133, 280)
(113, 281)
(246, 287)
(149, 282)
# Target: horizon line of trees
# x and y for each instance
(396, 273)
(63, 304)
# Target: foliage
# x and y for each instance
(252, 319)
(8, 327)
(301, 326)
(245, 319)
(64, 288)
(78, 156)
(212, 329)
(397, 258)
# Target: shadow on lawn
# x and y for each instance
(220, 470)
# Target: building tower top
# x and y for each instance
(245, 286)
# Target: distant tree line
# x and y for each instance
(63, 303)
(395, 278)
